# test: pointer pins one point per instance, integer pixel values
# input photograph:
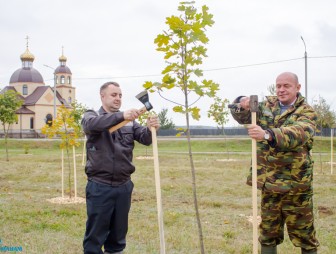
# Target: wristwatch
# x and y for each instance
(267, 135)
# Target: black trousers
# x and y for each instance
(107, 217)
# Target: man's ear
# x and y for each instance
(298, 87)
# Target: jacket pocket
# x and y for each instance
(126, 136)
(261, 177)
(302, 175)
(95, 160)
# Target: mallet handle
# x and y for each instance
(123, 123)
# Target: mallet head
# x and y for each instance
(144, 98)
(254, 103)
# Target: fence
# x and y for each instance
(234, 131)
(229, 131)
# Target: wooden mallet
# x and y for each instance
(144, 98)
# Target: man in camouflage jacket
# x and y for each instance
(285, 128)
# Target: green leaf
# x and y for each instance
(207, 18)
(178, 109)
(175, 23)
(161, 40)
(195, 113)
(167, 79)
(169, 68)
(198, 72)
(148, 85)
(169, 54)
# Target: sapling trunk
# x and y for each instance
(194, 188)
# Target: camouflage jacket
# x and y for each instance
(284, 164)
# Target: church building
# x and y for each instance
(39, 101)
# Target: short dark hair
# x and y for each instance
(110, 83)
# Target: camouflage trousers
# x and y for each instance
(294, 211)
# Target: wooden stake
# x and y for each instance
(158, 190)
(75, 173)
(332, 150)
(254, 109)
(62, 173)
(254, 191)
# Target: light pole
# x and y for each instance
(54, 90)
(305, 56)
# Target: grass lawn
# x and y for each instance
(33, 175)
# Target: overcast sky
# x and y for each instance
(114, 40)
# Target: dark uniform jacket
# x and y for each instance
(109, 156)
(285, 164)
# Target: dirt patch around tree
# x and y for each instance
(144, 158)
(249, 218)
(67, 200)
(226, 160)
(324, 211)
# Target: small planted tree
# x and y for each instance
(9, 103)
(272, 89)
(183, 45)
(68, 130)
(326, 117)
(77, 113)
(219, 112)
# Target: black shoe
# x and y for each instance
(268, 249)
(313, 251)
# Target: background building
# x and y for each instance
(39, 103)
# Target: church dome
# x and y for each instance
(63, 69)
(26, 75)
(27, 56)
(62, 58)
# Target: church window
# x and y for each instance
(69, 100)
(27, 64)
(69, 80)
(32, 123)
(24, 90)
(62, 79)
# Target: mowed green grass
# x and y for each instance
(29, 220)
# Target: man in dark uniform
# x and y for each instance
(285, 129)
(109, 167)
